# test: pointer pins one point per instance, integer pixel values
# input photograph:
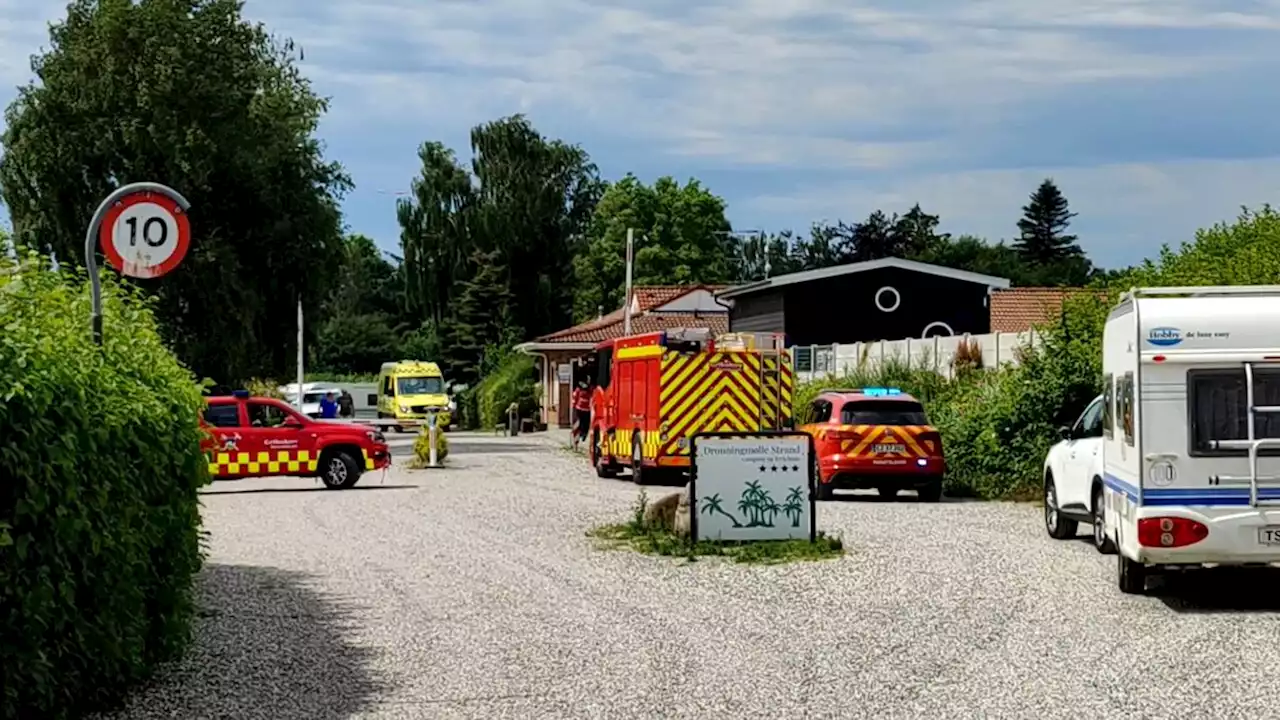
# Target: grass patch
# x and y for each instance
(639, 536)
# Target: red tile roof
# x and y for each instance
(1019, 309)
(648, 297)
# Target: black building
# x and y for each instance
(885, 299)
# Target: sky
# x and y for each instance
(1155, 117)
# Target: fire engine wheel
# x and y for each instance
(637, 461)
(338, 470)
(603, 469)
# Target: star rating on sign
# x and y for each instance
(779, 468)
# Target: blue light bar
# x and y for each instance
(881, 392)
(242, 394)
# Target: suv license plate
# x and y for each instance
(1269, 535)
(884, 449)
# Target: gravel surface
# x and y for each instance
(472, 592)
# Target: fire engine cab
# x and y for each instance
(654, 391)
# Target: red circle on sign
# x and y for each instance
(106, 235)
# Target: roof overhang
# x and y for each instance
(990, 281)
(536, 347)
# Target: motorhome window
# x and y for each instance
(604, 366)
(883, 412)
(1216, 402)
(419, 385)
(1108, 406)
(1126, 408)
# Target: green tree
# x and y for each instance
(761, 256)
(188, 93)
(481, 317)
(524, 202)
(1043, 241)
(359, 326)
(975, 254)
(681, 236)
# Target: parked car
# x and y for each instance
(1073, 487)
(875, 438)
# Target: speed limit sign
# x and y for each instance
(145, 234)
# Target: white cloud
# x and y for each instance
(1125, 211)
(742, 69)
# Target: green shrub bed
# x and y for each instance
(99, 513)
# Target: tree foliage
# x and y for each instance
(520, 207)
(187, 93)
(360, 318)
(681, 237)
(1043, 241)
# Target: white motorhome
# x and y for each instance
(1191, 429)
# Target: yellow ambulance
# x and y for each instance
(409, 388)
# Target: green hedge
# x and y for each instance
(99, 515)
(512, 381)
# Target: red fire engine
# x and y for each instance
(655, 391)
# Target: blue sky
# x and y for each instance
(1155, 117)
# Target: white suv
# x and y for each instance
(1073, 480)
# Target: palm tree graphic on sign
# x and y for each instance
(711, 506)
(793, 507)
(756, 504)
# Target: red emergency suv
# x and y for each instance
(875, 438)
(264, 437)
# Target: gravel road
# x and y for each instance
(471, 592)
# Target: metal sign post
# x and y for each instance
(144, 232)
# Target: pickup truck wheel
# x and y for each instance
(339, 471)
(1058, 527)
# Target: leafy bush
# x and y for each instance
(510, 382)
(422, 447)
(99, 514)
(259, 387)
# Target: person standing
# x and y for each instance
(581, 414)
(328, 406)
(346, 405)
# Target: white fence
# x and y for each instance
(936, 353)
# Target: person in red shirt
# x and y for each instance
(581, 413)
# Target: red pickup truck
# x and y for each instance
(263, 437)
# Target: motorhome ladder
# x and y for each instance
(1252, 443)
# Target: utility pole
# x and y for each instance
(301, 374)
(626, 313)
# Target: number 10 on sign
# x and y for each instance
(145, 235)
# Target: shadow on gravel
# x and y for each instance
(315, 488)
(1220, 590)
(266, 646)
